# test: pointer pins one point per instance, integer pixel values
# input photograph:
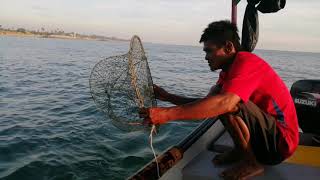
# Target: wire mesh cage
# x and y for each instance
(120, 85)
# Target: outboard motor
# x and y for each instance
(306, 97)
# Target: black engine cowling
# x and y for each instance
(306, 97)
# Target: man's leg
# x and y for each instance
(255, 136)
(240, 134)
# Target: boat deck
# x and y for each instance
(297, 167)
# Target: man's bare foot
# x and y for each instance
(228, 157)
(244, 170)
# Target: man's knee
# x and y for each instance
(230, 119)
(230, 116)
(225, 118)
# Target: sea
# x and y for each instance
(50, 127)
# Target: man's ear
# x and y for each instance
(229, 47)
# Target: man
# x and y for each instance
(250, 99)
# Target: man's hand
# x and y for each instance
(156, 115)
(160, 93)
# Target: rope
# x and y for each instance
(153, 129)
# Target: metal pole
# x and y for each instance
(234, 12)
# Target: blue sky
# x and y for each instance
(295, 28)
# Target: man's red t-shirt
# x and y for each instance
(251, 78)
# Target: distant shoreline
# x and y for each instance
(75, 36)
(69, 36)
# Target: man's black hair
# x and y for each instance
(219, 32)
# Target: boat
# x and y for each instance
(191, 158)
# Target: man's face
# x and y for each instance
(216, 56)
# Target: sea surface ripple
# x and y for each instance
(50, 127)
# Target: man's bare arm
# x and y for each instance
(207, 107)
(216, 89)
(180, 100)
(163, 95)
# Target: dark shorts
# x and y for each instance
(264, 134)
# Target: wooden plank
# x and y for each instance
(306, 155)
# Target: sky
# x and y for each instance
(295, 28)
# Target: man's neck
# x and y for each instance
(229, 63)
